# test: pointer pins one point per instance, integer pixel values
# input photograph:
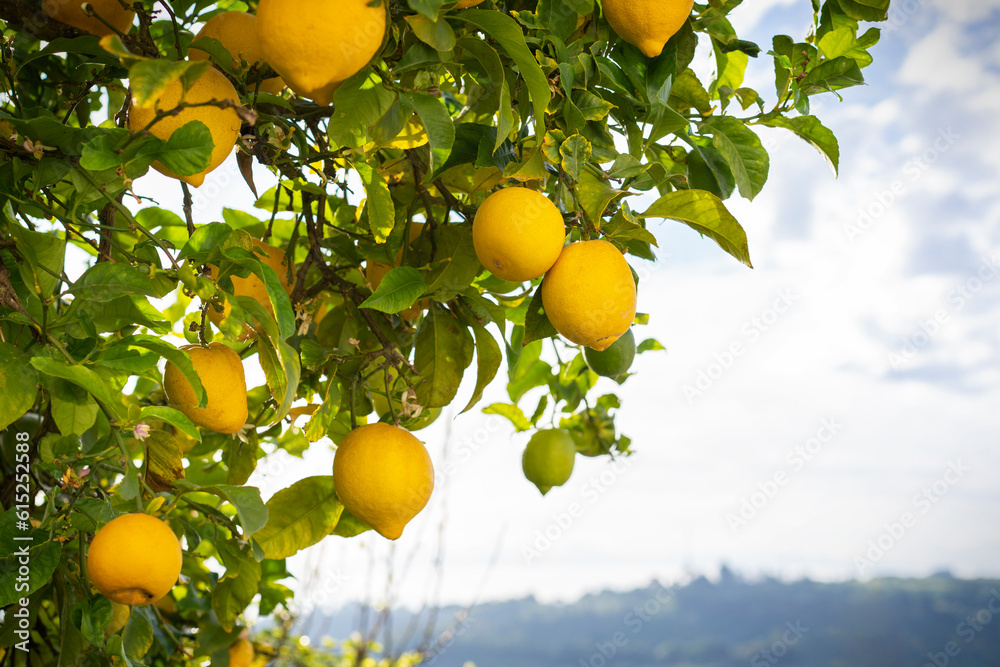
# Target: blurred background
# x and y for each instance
(818, 426)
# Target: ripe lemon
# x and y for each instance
(253, 286)
(548, 459)
(71, 13)
(119, 617)
(376, 271)
(615, 360)
(241, 653)
(237, 31)
(224, 124)
(518, 234)
(589, 295)
(648, 24)
(384, 476)
(315, 45)
(220, 370)
(134, 559)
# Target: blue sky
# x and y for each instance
(858, 420)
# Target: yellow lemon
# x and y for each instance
(384, 476)
(220, 370)
(253, 286)
(237, 31)
(589, 295)
(241, 653)
(518, 234)
(71, 13)
(548, 459)
(648, 24)
(376, 271)
(119, 617)
(315, 45)
(134, 559)
(224, 124)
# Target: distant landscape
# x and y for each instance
(939, 621)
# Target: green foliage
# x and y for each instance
(457, 103)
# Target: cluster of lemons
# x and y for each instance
(383, 474)
(588, 294)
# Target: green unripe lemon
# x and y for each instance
(548, 459)
(615, 360)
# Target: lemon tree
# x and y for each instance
(446, 206)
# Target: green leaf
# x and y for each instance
(866, 10)
(649, 345)
(99, 153)
(434, 33)
(205, 239)
(536, 323)
(842, 72)
(137, 638)
(320, 422)
(81, 375)
(623, 227)
(188, 150)
(706, 214)
(44, 254)
(529, 371)
(279, 360)
(91, 617)
(576, 153)
(505, 30)
(238, 586)
(149, 78)
(398, 291)
(172, 416)
(441, 357)
(357, 104)
(438, 123)
(247, 501)
(814, 132)
(457, 264)
(18, 385)
(42, 561)
(592, 107)
(379, 206)
(744, 152)
(708, 169)
(428, 8)
(109, 280)
(73, 409)
(495, 80)
(488, 357)
(299, 516)
(350, 526)
(510, 412)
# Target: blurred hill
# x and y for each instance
(938, 621)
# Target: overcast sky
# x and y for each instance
(860, 407)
